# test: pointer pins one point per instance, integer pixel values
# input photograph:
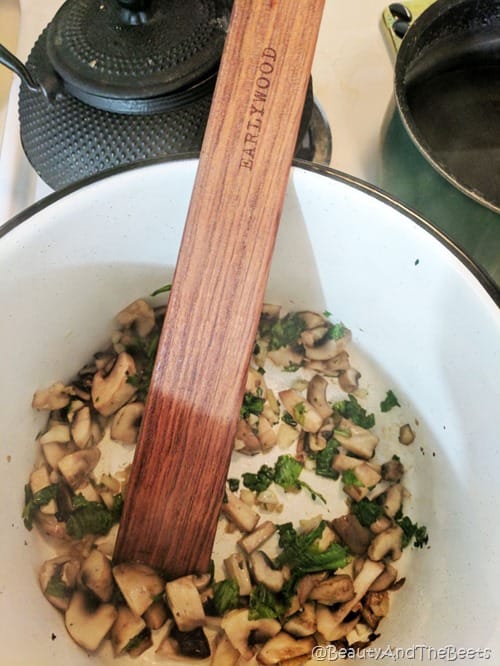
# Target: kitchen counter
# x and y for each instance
(353, 83)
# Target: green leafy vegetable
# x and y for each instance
(366, 511)
(283, 332)
(56, 587)
(324, 460)
(301, 552)
(291, 367)
(349, 478)
(337, 331)
(412, 531)
(226, 595)
(289, 420)
(33, 501)
(233, 484)
(259, 481)
(252, 404)
(264, 604)
(352, 410)
(285, 473)
(162, 290)
(92, 517)
(145, 350)
(389, 402)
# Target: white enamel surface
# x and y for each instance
(427, 324)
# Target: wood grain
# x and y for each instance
(178, 475)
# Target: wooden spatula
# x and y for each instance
(181, 462)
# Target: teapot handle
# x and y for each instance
(15, 65)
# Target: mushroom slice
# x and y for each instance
(329, 621)
(385, 580)
(386, 543)
(375, 607)
(88, 622)
(156, 615)
(138, 314)
(58, 432)
(355, 536)
(336, 589)
(126, 422)
(238, 627)
(331, 367)
(246, 440)
(267, 436)
(316, 395)
(307, 584)
(312, 319)
(367, 475)
(263, 572)
(111, 391)
(393, 500)
(97, 576)
(126, 628)
(75, 467)
(328, 626)
(255, 382)
(81, 427)
(239, 513)
(359, 441)
(106, 543)
(286, 357)
(51, 398)
(53, 452)
(185, 604)
(301, 410)
(224, 654)
(393, 470)
(236, 567)
(191, 643)
(406, 434)
(283, 646)
(349, 380)
(303, 623)
(58, 577)
(139, 584)
(40, 479)
(255, 539)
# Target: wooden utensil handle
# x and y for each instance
(177, 481)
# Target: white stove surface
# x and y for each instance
(352, 77)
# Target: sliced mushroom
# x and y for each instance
(106, 543)
(263, 572)
(193, 643)
(156, 615)
(286, 357)
(283, 646)
(139, 584)
(58, 577)
(126, 422)
(316, 395)
(393, 500)
(255, 539)
(184, 602)
(386, 543)
(81, 427)
(393, 470)
(58, 432)
(138, 314)
(286, 436)
(75, 467)
(367, 475)
(324, 350)
(359, 441)
(331, 367)
(333, 590)
(53, 452)
(349, 380)
(375, 607)
(238, 628)
(97, 576)
(307, 584)
(88, 491)
(111, 391)
(385, 580)
(126, 627)
(406, 434)
(355, 536)
(236, 568)
(88, 622)
(255, 382)
(329, 627)
(312, 319)
(267, 436)
(224, 654)
(303, 623)
(380, 524)
(239, 513)
(301, 410)
(52, 398)
(246, 440)
(40, 479)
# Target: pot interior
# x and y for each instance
(422, 325)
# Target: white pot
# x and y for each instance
(428, 323)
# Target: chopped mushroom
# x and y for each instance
(238, 628)
(126, 627)
(239, 513)
(336, 589)
(301, 410)
(328, 626)
(386, 543)
(406, 434)
(349, 380)
(225, 654)
(58, 432)
(385, 580)
(112, 390)
(156, 615)
(236, 567)
(255, 539)
(393, 500)
(58, 577)
(355, 536)
(283, 646)
(263, 572)
(393, 470)
(139, 314)
(97, 576)
(303, 623)
(359, 441)
(76, 467)
(185, 604)
(52, 398)
(246, 440)
(40, 479)
(139, 584)
(126, 422)
(81, 427)
(88, 622)
(316, 395)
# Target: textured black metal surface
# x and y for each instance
(92, 47)
(68, 140)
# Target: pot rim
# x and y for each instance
(486, 281)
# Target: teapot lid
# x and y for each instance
(112, 52)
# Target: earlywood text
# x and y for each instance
(257, 107)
